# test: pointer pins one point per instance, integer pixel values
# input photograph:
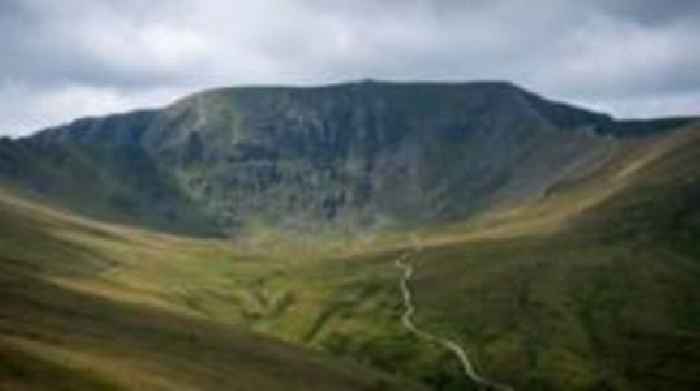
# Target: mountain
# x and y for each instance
(341, 158)
(556, 246)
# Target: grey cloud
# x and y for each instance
(127, 54)
(651, 12)
(94, 43)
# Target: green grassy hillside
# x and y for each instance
(599, 293)
(87, 306)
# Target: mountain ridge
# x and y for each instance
(366, 154)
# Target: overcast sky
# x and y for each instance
(64, 59)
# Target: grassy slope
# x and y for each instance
(594, 287)
(73, 314)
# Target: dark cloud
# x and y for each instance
(71, 58)
(651, 12)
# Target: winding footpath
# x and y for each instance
(458, 351)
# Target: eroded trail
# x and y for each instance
(455, 348)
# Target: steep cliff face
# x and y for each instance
(357, 155)
(366, 153)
